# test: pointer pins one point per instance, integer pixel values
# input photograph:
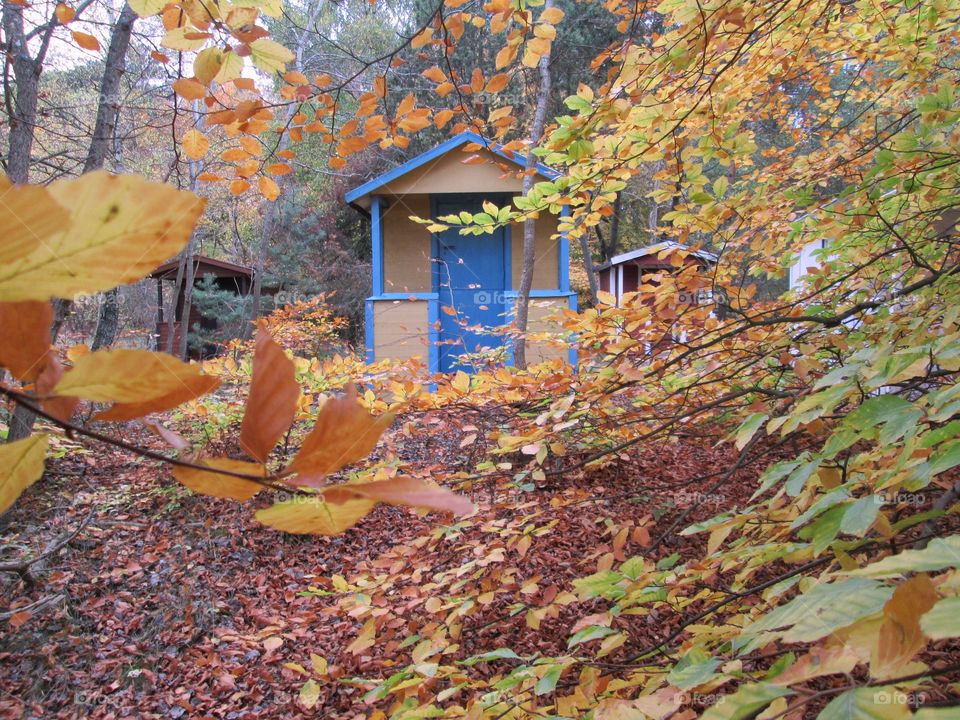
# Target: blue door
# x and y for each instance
(470, 276)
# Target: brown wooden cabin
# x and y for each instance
(231, 277)
(624, 273)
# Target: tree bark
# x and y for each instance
(104, 131)
(588, 268)
(21, 107)
(529, 226)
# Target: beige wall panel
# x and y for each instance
(406, 245)
(449, 174)
(400, 329)
(546, 269)
(540, 310)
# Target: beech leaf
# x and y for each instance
(210, 482)
(274, 394)
(21, 465)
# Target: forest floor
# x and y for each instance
(171, 605)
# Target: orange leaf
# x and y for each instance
(195, 144)
(272, 404)
(85, 40)
(159, 56)
(268, 188)
(444, 89)
(380, 86)
(295, 78)
(25, 329)
(64, 13)
(189, 89)
(434, 73)
(210, 482)
(344, 433)
(404, 491)
(279, 169)
(497, 83)
(239, 187)
(208, 177)
(442, 117)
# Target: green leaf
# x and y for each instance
(594, 632)
(270, 56)
(749, 428)
(866, 703)
(939, 554)
(859, 515)
(691, 675)
(745, 702)
(498, 654)
(548, 682)
(942, 620)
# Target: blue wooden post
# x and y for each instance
(376, 239)
(564, 253)
(368, 331)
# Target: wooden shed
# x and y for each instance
(233, 278)
(432, 292)
(624, 273)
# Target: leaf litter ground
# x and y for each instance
(171, 605)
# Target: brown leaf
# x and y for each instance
(344, 433)
(274, 394)
(25, 329)
(404, 491)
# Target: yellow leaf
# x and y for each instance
(344, 433)
(422, 38)
(312, 516)
(551, 15)
(268, 188)
(231, 65)
(189, 89)
(319, 664)
(309, 694)
(146, 8)
(274, 394)
(21, 465)
(121, 227)
(270, 56)
(125, 376)
(195, 144)
(219, 485)
(365, 639)
(207, 64)
(85, 40)
(505, 56)
(29, 216)
(177, 39)
(191, 386)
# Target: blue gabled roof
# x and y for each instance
(468, 136)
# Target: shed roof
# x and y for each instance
(359, 196)
(204, 266)
(656, 249)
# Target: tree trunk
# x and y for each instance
(21, 106)
(529, 227)
(614, 244)
(104, 132)
(188, 281)
(588, 268)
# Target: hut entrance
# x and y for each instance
(471, 276)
